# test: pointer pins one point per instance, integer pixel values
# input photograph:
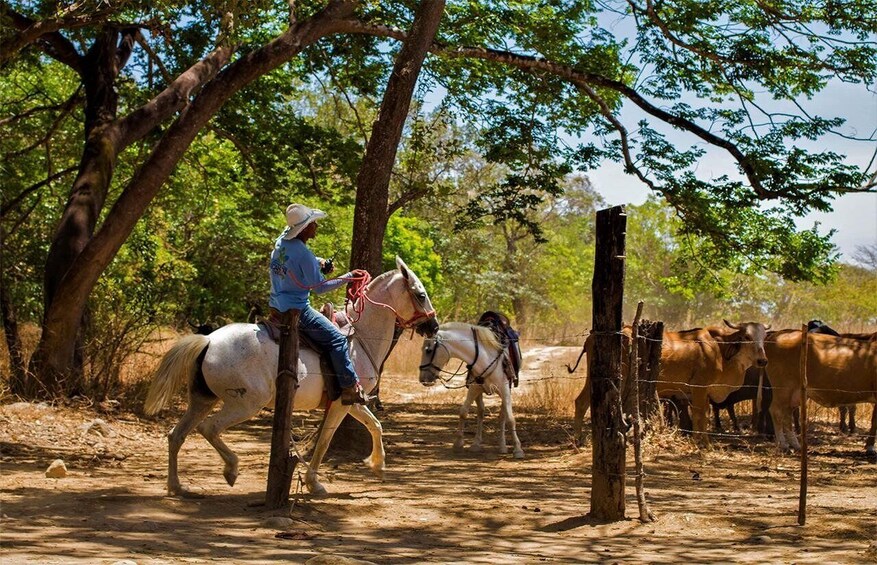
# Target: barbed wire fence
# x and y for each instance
(838, 387)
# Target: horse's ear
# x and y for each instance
(403, 268)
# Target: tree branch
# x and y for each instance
(66, 108)
(12, 204)
(45, 34)
(535, 65)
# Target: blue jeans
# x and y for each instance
(327, 336)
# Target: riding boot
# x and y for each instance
(354, 395)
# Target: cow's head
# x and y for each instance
(746, 343)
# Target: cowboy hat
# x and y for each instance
(298, 216)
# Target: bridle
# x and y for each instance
(479, 378)
(359, 292)
(431, 364)
(418, 318)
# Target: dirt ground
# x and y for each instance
(735, 503)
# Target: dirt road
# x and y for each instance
(736, 503)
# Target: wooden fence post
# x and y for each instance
(802, 496)
(281, 464)
(645, 515)
(651, 335)
(608, 428)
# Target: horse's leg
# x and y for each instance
(331, 421)
(502, 426)
(232, 412)
(478, 442)
(509, 417)
(583, 402)
(870, 449)
(376, 460)
(198, 409)
(464, 411)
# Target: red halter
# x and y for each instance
(359, 281)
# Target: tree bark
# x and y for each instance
(99, 69)
(371, 214)
(281, 463)
(54, 356)
(608, 429)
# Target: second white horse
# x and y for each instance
(483, 354)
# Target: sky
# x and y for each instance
(855, 215)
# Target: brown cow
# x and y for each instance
(840, 370)
(699, 365)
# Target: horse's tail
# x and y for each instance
(177, 366)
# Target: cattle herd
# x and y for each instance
(720, 366)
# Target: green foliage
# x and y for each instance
(40, 143)
(410, 239)
(488, 199)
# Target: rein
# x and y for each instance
(356, 295)
(401, 322)
(479, 378)
(440, 371)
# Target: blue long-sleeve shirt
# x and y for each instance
(295, 272)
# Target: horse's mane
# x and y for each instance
(382, 277)
(485, 334)
(379, 280)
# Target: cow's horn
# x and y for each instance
(730, 325)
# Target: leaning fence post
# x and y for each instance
(802, 496)
(281, 464)
(645, 515)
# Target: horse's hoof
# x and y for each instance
(519, 454)
(230, 478)
(476, 448)
(458, 446)
(378, 470)
(183, 493)
(317, 489)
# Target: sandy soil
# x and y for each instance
(735, 503)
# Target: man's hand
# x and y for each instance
(327, 266)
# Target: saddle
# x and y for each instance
(330, 385)
(510, 340)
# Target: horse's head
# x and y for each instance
(434, 355)
(417, 312)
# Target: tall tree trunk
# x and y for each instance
(373, 182)
(100, 67)
(55, 352)
(511, 264)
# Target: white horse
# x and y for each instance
(237, 364)
(483, 354)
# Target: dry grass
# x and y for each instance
(548, 389)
